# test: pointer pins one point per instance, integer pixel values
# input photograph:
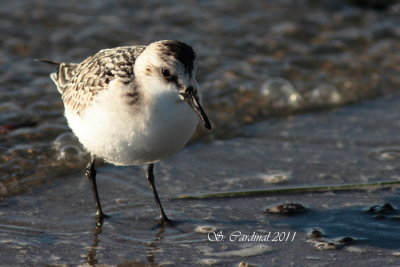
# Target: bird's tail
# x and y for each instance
(48, 61)
(64, 73)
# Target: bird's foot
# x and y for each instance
(100, 216)
(164, 221)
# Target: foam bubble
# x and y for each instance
(281, 93)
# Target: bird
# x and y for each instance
(132, 105)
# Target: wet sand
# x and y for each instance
(55, 224)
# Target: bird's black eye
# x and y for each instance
(166, 73)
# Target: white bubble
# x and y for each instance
(69, 149)
(64, 139)
(324, 93)
(275, 177)
(281, 93)
(205, 229)
(389, 154)
(71, 153)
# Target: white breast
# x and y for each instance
(125, 134)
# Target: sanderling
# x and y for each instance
(132, 105)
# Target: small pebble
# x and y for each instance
(324, 245)
(205, 229)
(315, 233)
(286, 209)
(382, 209)
(329, 244)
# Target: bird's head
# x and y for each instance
(172, 66)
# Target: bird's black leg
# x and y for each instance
(91, 174)
(150, 177)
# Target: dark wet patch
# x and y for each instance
(5, 128)
(346, 240)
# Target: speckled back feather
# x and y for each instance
(78, 83)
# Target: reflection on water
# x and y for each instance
(91, 255)
(153, 249)
(152, 246)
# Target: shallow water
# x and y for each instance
(260, 64)
(55, 224)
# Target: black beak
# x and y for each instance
(191, 98)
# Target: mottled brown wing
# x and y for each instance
(79, 83)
